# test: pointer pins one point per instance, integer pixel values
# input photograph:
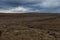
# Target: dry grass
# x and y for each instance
(30, 26)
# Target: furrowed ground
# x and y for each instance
(29, 26)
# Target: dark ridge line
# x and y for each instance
(28, 12)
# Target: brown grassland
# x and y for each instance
(29, 26)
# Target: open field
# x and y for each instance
(29, 26)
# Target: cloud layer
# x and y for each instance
(51, 6)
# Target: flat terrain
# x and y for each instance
(29, 26)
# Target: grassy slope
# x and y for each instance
(30, 26)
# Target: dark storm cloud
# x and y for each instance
(30, 5)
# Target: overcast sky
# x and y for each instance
(50, 6)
